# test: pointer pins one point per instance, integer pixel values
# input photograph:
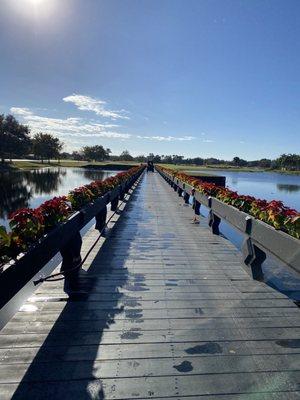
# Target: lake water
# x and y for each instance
(264, 185)
(31, 188)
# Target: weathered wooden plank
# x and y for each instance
(138, 314)
(158, 367)
(150, 387)
(177, 336)
(160, 295)
(129, 304)
(130, 351)
(37, 326)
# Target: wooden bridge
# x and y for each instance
(163, 309)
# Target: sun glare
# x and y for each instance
(36, 1)
(37, 9)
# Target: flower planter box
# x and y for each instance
(15, 276)
(281, 245)
(90, 210)
(114, 193)
(202, 198)
(188, 188)
(238, 219)
(216, 179)
(180, 184)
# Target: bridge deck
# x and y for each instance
(165, 311)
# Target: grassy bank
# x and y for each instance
(205, 169)
(28, 164)
(195, 169)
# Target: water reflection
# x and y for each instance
(14, 193)
(44, 181)
(31, 188)
(287, 188)
(264, 185)
(92, 175)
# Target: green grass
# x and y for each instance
(204, 169)
(194, 169)
(184, 167)
(27, 165)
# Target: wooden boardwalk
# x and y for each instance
(164, 310)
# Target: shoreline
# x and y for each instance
(27, 165)
(110, 165)
(205, 169)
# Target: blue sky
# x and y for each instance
(198, 78)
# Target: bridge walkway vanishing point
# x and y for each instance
(165, 310)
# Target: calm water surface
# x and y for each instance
(264, 185)
(31, 188)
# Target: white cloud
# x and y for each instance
(208, 141)
(87, 103)
(167, 138)
(75, 127)
(20, 111)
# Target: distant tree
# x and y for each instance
(46, 146)
(264, 163)
(167, 159)
(239, 162)
(177, 159)
(212, 161)
(114, 157)
(95, 153)
(236, 161)
(289, 162)
(14, 138)
(198, 161)
(141, 158)
(126, 156)
(156, 158)
(77, 155)
(65, 155)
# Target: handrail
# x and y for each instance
(65, 239)
(259, 237)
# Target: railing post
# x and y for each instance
(186, 197)
(71, 254)
(122, 193)
(127, 187)
(253, 256)
(196, 205)
(114, 203)
(101, 219)
(213, 220)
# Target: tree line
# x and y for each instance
(284, 162)
(16, 142)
